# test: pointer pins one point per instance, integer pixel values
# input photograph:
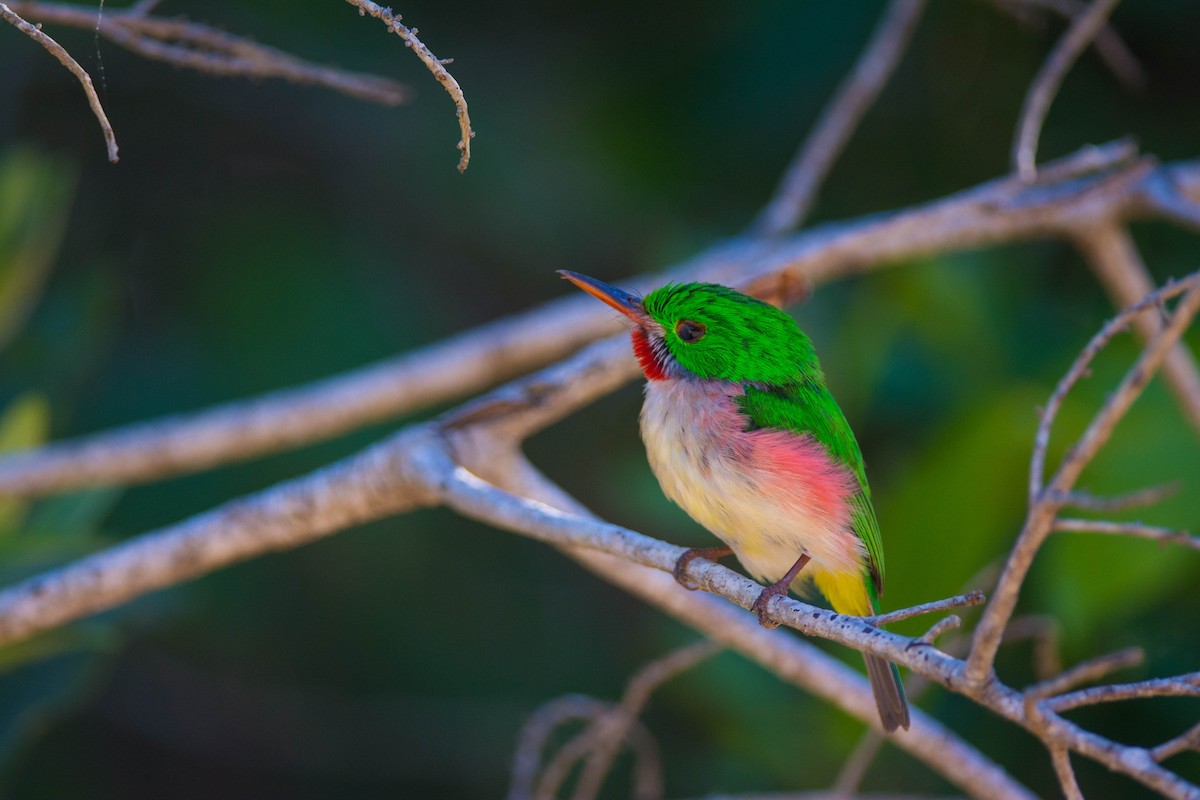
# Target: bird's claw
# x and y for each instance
(710, 553)
(759, 606)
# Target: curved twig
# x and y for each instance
(55, 49)
(1041, 92)
(436, 66)
(800, 183)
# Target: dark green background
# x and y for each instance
(257, 235)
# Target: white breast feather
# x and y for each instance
(687, 428)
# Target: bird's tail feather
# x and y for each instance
(889, 693)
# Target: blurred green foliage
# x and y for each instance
(259, 235)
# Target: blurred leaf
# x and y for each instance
(24, 424)
(35, 198)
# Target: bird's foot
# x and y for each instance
(781, 586)
(759, 606)
(711, 553)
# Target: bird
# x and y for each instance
(743, 433)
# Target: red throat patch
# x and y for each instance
(645, 355)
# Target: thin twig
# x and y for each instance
(1042, 512)
(1114, 258)
(972, 598)
(55, 49)
(802, 180)
(203, 48)
(1091, 670)
(1143, 497)
(645, 749)
(1079, 369)
(611, 730)
(537, 731)
(1108, 43)
(929, 637)
(1178, 686)
(1061, 758)
(1037, 102)
(434, 64)
(1155, 533)
(1188, 740)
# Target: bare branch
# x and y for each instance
(1188, 740)
(1108, 43)
(1091, 670)
(434, 64)
(940, 627)
(1179, 686)
(1143, 497)
(1040, 519)
(973, 598)
(1094, 185)
(413, 468)
(1164, 197)
(614, 727)
(1161, 535)
(537, 731)
(55, 49)
(379, 481)
(1110, 251)
(798, 188)
(647, 775)
(1061, 757)
(1078, 370)
(1037, 102)
(192, 45)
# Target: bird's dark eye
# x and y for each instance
(689, 331)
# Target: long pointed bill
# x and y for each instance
(628, 304)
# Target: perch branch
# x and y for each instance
(203, 48)
(55, 49)
(1082, 31)
(804, 176)
(434, 64)
(1095, 183)
(418, 467)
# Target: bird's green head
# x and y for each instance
(708, 331)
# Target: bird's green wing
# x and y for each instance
(807, 407)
